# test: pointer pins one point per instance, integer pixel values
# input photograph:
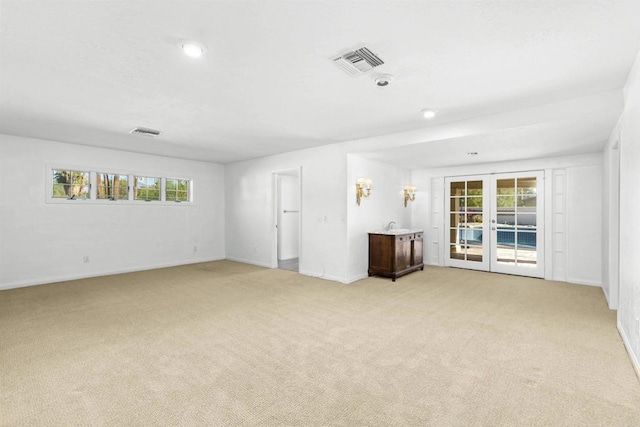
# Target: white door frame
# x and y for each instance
(614, 225)
(509, 268)
(489, 226)
(483, 265)
(276, 198)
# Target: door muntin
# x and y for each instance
(492, 223)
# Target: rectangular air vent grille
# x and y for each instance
(358, 62)
(145, 132)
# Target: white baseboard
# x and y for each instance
(634, 358)
(25, 283)
(357, 277)
(583, 282)
(319, 275)
(249, 261)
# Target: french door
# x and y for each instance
(496, 223)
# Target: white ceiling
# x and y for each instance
(87, 72)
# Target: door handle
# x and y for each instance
(493, 228)
(493, 221)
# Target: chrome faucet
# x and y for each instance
(390, 225)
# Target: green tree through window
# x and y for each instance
(112, 186)
(70, 184)
(177, 190)
(146, 188)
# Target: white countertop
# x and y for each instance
(396, 231)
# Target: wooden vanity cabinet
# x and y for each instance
(394, 255)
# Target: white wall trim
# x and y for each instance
(605, 291)
(559, 225)
(583, 282)
(251, 262)
(548, 222)
(318, 275)
(25, 283)
(309, 273)
(356, 278)
(627, 345)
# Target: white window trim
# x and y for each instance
(133, 183)
(94, 196)
(189, 190)
(93, 189)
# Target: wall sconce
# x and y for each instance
(363, 188)
(409, 193)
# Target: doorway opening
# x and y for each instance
(287, 219)
(496, 223)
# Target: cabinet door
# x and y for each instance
(403, 252)
(417, 249)
(381, 252)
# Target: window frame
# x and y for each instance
(187, 191)
(131, 174)
(114, 174)
(146, 177)
(51, 182)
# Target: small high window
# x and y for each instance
(146, 188)
(70, 184)
(177, 190)
(112, 186)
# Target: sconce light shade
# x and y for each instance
(409, 193)
(363, 188)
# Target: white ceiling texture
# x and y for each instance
(510, 79)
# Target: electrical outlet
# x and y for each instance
(85, 258)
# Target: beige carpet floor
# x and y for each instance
(228, 344)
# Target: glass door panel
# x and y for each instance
(517, 234)
(493, 223)
(465, 223)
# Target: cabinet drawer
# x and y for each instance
(405, 238)
(418, 236)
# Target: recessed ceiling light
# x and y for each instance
(428, 113)
(192, 49)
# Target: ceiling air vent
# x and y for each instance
(358, 62)
(145, 132)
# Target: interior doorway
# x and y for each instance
(496, 223)
(287, 219)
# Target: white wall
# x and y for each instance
(250, 214)
(629, 297)
(333, 228)
(42, 242)
(385, 204)
(576, 240)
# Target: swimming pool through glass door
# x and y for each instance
(466, 223)
(495, 223)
